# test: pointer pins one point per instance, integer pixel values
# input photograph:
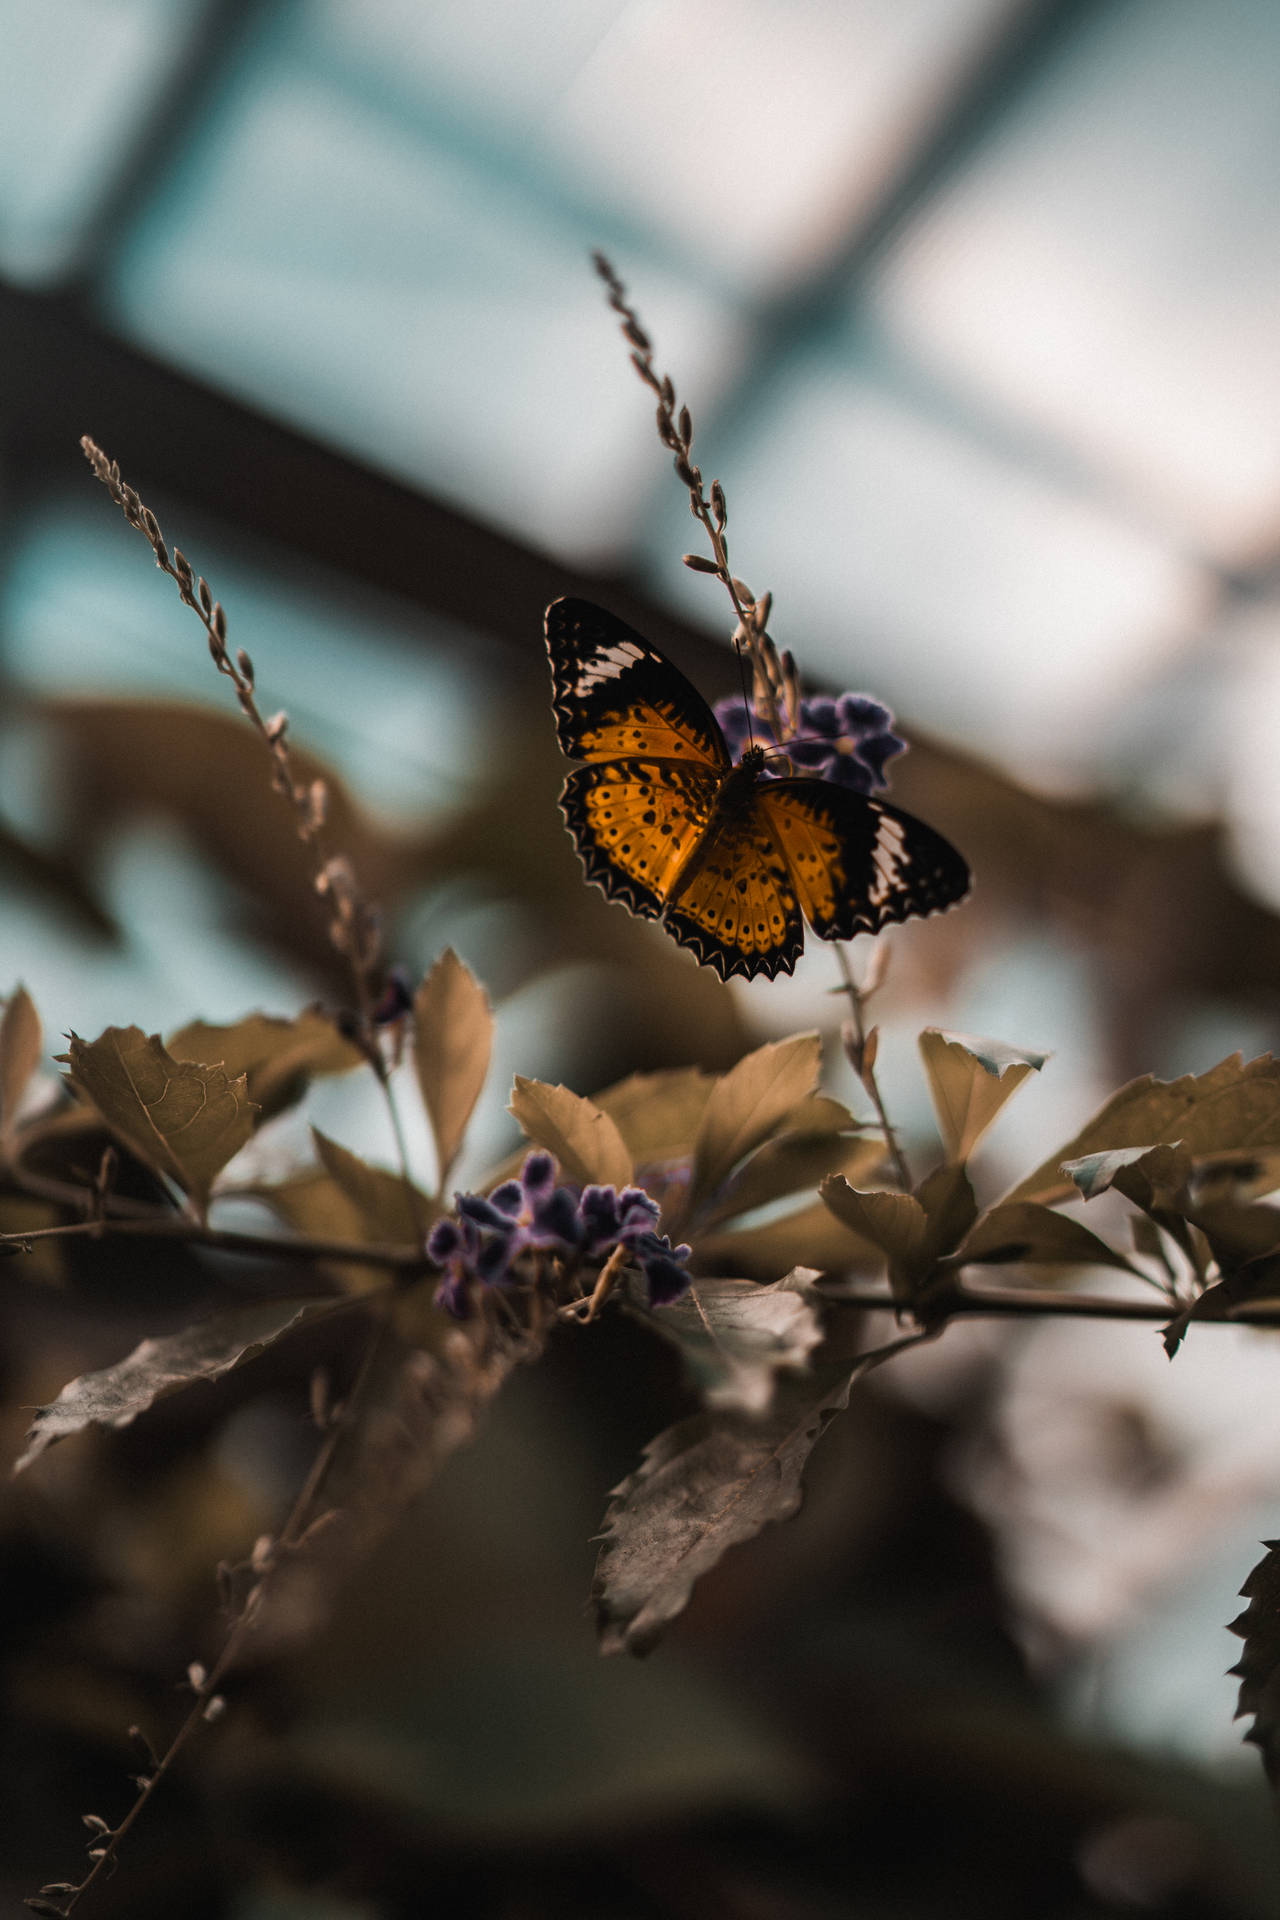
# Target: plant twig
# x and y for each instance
(861, 1047)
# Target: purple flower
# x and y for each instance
(847, 740)
(485, 1237)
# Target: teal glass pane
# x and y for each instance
(76, 79)
(340, 266)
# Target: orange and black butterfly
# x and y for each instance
(731, 860)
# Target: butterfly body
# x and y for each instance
(730, 859)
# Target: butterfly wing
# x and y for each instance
(636, 822)
(736, 908)
(857, 863)
(617, 698)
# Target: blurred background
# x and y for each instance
(976, 305)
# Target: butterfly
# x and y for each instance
(731, 860)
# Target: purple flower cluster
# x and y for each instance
(847, 740)
(484, 1238)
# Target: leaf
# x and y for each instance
(186, 1121)
(387, 1206)
(658, 1114)
(734, 1335)
(809, 1237)
(950, 1209)
(584, 1140)
(115, 1396)
(1022, 1230)
(970, 1080)
(452, 1042)
(894, 1222)
(1139, 1173)
(703, 1486)
(794, 1163)
(748, 1104)
(277, 1056)
(21, 1044)
(1258, 1668)
(1232, 1107)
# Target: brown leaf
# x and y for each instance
(658, 1114)
(21, 1043)
(706, 1485)
(114, 1396)
(276, 1056)
(809, 1237)
(1021, 1230)
(388, 1207)
(583, 1139)
(186, 1121)
(794, 1163)
(734, 1335)
(1232, 1107)
(970, 1080)
(749, 1104)
(452, 1042)
(1258, 1668)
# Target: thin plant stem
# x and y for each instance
(864, 1066)
(1028, 1303)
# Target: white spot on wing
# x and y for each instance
(609, 663)
(890, 860)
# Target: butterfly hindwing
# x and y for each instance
(635, 822)
(737, 910)
(615, 697)
(858, 863)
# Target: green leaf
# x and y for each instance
(734, 1335)
(21, 1044)
(1231, 1108)
(452, 1042)
(705, 1485)
(1258, 1668)
(387, 1206)
(749, 1104)
(277, 1056)
(115, 1396)
(970, 1080)
(1022, 1230)
(583, 1139)
(186, 1121)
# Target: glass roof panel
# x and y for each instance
(76, 78)
(981, 600)
(1108, 266)
(750, 134)
(320, 257)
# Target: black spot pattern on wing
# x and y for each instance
(857, 864)
(634, 822)
(615, 697)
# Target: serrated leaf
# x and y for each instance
(114, 1396)
(734, 1335)
(185, 1120)
(277, 1056)
(1231, 1108)
(748, 1104)
(970, 1080)
(387, 1207)
(1139, 1173)
(894, 1222)
(809, 1237)
(582, 1137)
(658, 1114)
(21, 1044)
(705, 1485)
(452, 1044)
(793, 1163)
(1258, 1668)
(1022, 1230)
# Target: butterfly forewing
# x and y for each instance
(857, 863)
(635, 823)
(616, 697)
